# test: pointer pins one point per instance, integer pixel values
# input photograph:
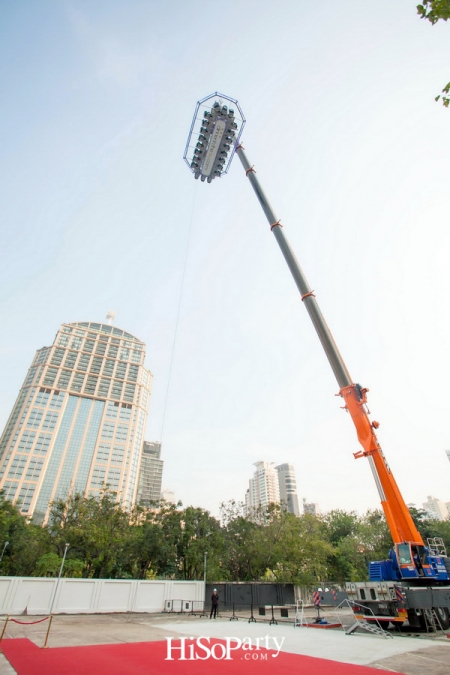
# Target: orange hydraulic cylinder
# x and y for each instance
(400, 522)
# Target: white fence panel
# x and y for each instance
(75, 595)
(150, 596)
(115, 596)
(6, 588)
(32, 596)
(88, 596)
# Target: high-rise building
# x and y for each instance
(435, 508)
(272, 484)
(263, 488)
(311, 507)
(168, 496)
(78, 421)
(150, 474)
(288, 487)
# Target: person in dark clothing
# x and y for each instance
(215, 604)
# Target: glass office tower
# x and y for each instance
(79, 420)
(150, 474)
(288, 487)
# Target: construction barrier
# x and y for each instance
(42, 596)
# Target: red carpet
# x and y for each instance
(149, 658)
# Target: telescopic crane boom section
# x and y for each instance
(397, 514)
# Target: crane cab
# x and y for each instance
(413, 561)
(410, 561)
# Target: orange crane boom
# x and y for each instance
(399, 520)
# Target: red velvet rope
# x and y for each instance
(29, 623)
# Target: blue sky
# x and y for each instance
(352, 150)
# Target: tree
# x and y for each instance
(279, 546)
(431, 527)
(241, 559)
(356, 541)
(150, 551)
(197, 531)
(345, 563)
(340, 524)
(26, 542)
(48, 565)
(296, 548)
(97, 530)
(435, 10)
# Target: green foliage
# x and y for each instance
(169, 541)
(73, 568)
(96, 529)
(26, 542)
(445, 99)
(48, 565)
(434, 11)
(430, 527)
(418, 515)
(340, 524)
(357, 540)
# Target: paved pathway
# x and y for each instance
(359, 648)
(406, 655)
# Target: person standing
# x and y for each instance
(214, 603)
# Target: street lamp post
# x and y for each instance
(59, 576)
(204, 568)
(6, 544)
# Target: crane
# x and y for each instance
(410, 559)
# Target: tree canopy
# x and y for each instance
(434, 11)
(169, 541)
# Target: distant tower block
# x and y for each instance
(288, 487)
(150, 474)
(311, 507)
(111, 316)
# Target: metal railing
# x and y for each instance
(236, 611)
(363, 617)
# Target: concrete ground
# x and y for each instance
(405, 654)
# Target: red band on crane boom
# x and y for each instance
(307, 295)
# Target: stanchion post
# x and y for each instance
(4, 628)
(233, 617)
(48, 632)
(252, 618)
(273, 619)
